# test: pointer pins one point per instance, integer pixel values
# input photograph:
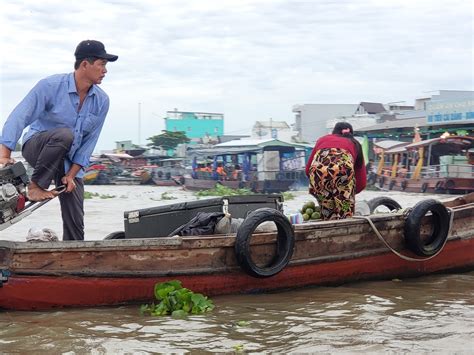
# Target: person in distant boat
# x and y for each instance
(221, 171)
(336, 172)
(65, 114)
(236, 172)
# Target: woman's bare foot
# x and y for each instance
(36, 193)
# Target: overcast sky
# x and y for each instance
(248, 59)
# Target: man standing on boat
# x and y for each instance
(65, 114)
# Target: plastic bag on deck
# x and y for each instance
(41, 235)
(202, 224)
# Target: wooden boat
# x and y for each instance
(46, 275)
(90, 176)
(438, 165)
(168, 172)
(267, 166)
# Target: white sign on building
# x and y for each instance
(452, 111)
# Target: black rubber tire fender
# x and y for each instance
(392, 184)
(439, 233)
(285, 242)
(424, 187)
(439, 186)
(404, 184)
(450, 184)
(388, 202)
(115, 235)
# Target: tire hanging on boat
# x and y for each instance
(404, 184)
(285, 242)
(439, 233)
(450, 184)
(388, 202)
(424, 187)
(115, 235)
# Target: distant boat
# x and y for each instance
(90, 176)
(168, 172)
(265, 166)
(98, 174)
(438, 165)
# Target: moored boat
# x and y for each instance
(110, 272)
(437, 165)
(168, 172)
(267, 166)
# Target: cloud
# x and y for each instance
(249, 59)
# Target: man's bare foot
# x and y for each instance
(36, 193)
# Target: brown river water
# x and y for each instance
(433, 314)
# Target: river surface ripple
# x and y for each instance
(432, 314)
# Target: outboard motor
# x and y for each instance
(13, 182)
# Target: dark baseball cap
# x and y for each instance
(90, 48)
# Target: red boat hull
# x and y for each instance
(47, 292)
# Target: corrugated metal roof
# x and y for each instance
(411, 122)
(465, 141)
(390, 144)
(272, 124)
(258, 143)
(373, 107)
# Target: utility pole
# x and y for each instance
(139, 122)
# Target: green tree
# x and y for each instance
(168, 140)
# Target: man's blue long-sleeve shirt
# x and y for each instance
(53, 103)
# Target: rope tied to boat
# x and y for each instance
(405, 213)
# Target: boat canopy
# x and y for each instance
(247, 146)
(463, 142)
(397, 150)
(261, 143)
(389, 144)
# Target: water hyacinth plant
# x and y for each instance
(177, 301)
(220, 190)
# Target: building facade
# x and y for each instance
(449, 111)
(198, 126)
(310, 119)
(272, 129)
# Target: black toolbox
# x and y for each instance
(162, 220)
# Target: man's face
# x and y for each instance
(96, 71)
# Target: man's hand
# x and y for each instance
(69, 182)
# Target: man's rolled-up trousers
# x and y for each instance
(45, 152)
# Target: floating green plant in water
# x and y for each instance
(176, 300)
(104, 196)
(88, 195)
(221, 190)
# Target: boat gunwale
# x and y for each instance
(178, 241)
(193, 242)
(350, 255)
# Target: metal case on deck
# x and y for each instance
(162, 220)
